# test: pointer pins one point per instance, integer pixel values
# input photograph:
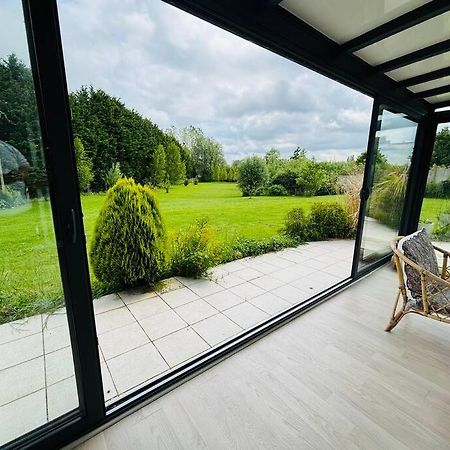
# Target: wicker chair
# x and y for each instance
(434, 301)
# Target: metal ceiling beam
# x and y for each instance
(283, 33)
(430, 76)
(410, 58)
(394, 26)
(441, 104)
(434, 91)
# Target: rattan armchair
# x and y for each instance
(434, 302)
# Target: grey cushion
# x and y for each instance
(418, 248)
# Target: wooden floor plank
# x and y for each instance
(331, 379)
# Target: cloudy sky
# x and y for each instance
(178, 70)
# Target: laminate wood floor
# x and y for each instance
(331, 379)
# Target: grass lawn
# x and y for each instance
(432, 207)
(29, 272)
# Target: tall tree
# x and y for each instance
(205, 153)
(175, 168)
(19, 125)
(84, 166)
(441, 151)
(159, 175)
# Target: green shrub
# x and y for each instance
(129, 242)
(244, 246)
(259, 192)
(288, 179)
(193, 251)
(276, 190)
(195, 181)
(9, 198)
(438, 189)
(296, 224)
(112, 176)
(386, 197)
(329, 221)
(253, 174)
(186, 182)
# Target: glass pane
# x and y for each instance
(37, 381)
(435, 214)
(394, 144)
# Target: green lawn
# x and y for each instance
(29, 274)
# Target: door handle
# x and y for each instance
(73, 226)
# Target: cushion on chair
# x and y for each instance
(418, 248)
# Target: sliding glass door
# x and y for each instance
(49, 365)
(391, 146)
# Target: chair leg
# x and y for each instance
(394, 321)
(396, 317)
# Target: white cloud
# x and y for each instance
(178, 70)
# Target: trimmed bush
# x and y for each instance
(436, 189)
(193, 251)
(276, 190)
(296, 224)
(129, 243)
(186, 182)
(329, 221)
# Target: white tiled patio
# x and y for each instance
(144, 333)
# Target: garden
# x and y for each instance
(163, 203)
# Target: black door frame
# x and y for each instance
(45, 49)
(421, 152)
(42, 24)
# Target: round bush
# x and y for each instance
(329, 221)
(129, 244)
(276, 190)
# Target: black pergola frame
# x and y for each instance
(270, 26)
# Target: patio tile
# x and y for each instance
(223, 300)
(229, 280)
(148, 307)
(323, 278)
(62, 397)
(181, 346)
(247, 291)
(248, 274)
(162, 324)
(274, 260)
(205, 287)
(20, 328)
(246, 315)
(195, 311)
(121, 340)
(107, 303)
(286, 275)
(170, 284)
(56, 338)
(316, 264)
(264, 267)
(267, 282)
(23, 415)
(270, 303)
(115, 318)
(137, 294)
(135, 367)
(109, 390)
(22, 379)
(232, 266)
(54, 320)
(216, 329)
(21, 350)
(59, 365)
(179, 297)
(290, 293)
